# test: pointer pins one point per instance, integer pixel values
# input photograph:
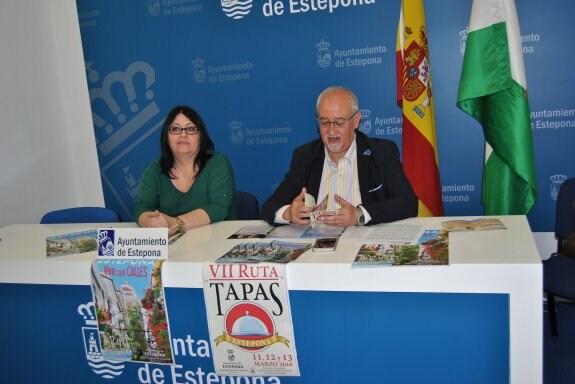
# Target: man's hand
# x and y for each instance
(298, 212)
(346, 215)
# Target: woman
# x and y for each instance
(190, 185)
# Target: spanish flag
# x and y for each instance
(414, 96)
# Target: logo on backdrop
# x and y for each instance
(199, 71)
(349, 57)
(388, 126)
(236, 9)
(258, 136)
(457, 193)
(556, 181)
(365, 122)
(154, 7)
(88, 18)
(124, 114)
(118, 116)
(172, 7)
(463, 40)
(552, 119)
(323, 54)
(222, 73)
(278, 8)
(236, 134)
(527, 41)
(106, 369)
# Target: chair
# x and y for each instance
(559, 269)
(80, 215)
(247, 206)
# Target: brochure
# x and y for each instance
(318, 210)
(473, 225)
(320, 230)
(430, 249)
(175, 237)
(288, 231)
(317, 230)
(275, 252)
(253, 232)
(389, 233)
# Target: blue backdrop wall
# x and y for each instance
(254, 68)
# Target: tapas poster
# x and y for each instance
(249, 319)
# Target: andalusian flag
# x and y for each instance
(419, 149)
(493, 91)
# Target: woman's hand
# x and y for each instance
(156, 219)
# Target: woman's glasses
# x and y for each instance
(176, 130)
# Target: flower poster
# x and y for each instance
(249, 319)
(131, 310)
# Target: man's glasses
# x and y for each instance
(325, 123)
(190, 129)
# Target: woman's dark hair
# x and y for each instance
(206, 144)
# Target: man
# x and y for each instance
(362, 177)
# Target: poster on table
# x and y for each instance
(129, 298)
(249, 320)
(431, 248)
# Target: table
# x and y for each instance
(478, 320)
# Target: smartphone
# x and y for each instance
(325, 244)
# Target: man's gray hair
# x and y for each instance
(352, 97)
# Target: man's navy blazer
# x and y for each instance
(385, 190)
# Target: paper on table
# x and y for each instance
(288, 231)
(393, 233)
(473, 225)
(315, 231)
(252, 231)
